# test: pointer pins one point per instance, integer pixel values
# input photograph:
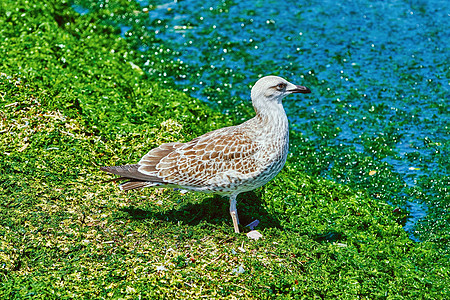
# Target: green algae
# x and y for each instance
(64, 234)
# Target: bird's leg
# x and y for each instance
(233, 213)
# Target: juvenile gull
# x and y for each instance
(226, 161)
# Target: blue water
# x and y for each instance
(377, 69)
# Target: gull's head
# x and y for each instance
(272, 89)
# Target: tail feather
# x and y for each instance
(131, 172)
(136, 184)
(136, 179)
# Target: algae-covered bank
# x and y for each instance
(76, 93)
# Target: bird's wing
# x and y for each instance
(150, 160)
(219, 157)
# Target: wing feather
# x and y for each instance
(223, 154)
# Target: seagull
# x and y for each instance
(227, 161)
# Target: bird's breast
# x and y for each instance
(274, 146)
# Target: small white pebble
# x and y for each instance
(254, 234)
(239, 270)
(161, 268)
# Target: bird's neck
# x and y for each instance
(272, 132)
(272, 116)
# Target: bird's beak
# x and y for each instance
(299, 89)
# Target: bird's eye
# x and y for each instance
(281, 86)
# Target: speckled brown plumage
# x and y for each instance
(227, 161)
